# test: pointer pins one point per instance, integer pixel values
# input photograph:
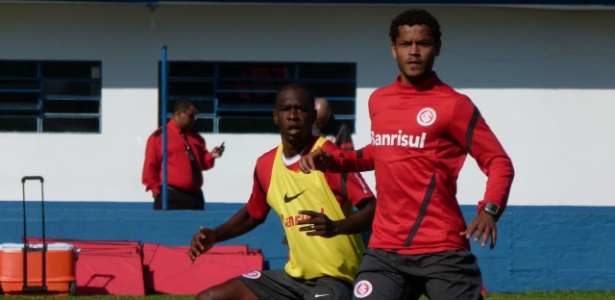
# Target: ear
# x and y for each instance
(393, 50)
(275, 117)
(438, 46)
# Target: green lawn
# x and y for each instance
(491, 296)
(553, 296)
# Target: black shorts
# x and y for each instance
(278, 285)
(440, 276)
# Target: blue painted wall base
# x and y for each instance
(539, 248)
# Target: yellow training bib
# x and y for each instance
(312, 256)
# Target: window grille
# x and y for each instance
(239, 97)
(50, 96)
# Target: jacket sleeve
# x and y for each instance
(352, 161)
(152, 165)
(257, 204)
(470, 129)
(208, 161)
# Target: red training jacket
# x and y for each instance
(420, 137)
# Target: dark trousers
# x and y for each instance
(181, 199)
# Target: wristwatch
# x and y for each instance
(492, 209)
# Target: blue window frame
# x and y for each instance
(238, 97)
(50, 96)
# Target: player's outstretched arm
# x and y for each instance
(483, 225)
(316, 160)
(320, 225)
(237, 225)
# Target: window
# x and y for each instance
(239, 97)
(50, 96)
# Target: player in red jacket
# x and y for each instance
(421, 132)
(315, 210)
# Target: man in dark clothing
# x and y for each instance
(327, 126)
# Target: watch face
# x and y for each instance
(492, 208)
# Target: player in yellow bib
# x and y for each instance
(316, 211)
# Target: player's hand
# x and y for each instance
(201, 242)
(483, 225)
(316, 160)
(318, 224)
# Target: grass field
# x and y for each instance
(492, 296)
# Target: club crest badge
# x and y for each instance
(426, 116)
(252, 275)
(362, 289)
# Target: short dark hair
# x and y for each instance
(183, 104)
(299, 86)
(413, 17)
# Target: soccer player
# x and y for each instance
(316, 212)
(422, 130)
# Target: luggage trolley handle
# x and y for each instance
(25, 178)
(26, 288)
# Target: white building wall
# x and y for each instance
(542, 79)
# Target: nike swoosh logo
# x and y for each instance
(320, 295)
(291, 198)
